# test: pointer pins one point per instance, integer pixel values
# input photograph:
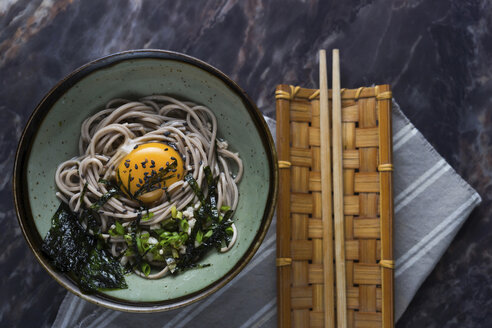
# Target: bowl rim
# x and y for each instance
(23, 207)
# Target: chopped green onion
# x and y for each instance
(165, 234)
(147, 216)
(174, 239)
(184, 225)
(159, 231)
(208, 234)
(179, 215)
(225, 208)
(120, 230)
(229, 231)
(140, 246)
(174, 212)
(199, 236)
(145, 268)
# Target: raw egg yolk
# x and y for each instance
(144, 168)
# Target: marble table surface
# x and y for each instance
(436, 54)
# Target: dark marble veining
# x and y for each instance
(436, 54)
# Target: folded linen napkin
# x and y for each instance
(431, 202)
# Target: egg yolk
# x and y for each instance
(148, 169)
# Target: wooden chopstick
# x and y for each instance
(326, 210)
(338, 193)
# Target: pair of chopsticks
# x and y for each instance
(337, 210)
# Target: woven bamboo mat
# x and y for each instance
(368, 210)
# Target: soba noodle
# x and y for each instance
(110, 134)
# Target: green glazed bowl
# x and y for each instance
(52, 133)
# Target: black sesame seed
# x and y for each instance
(136, 167)
(132, 178)
(146, 173)
(178, 175)
(201, 162)
(167, 163)
(127, 160)
(152, 161)
(127, 165)
(166, 149)
(161, 169)
(138, 185)
(135, 147)
(167, 133)
(174, 170)
(140, 180)
(173, 158)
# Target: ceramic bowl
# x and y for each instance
(52, 133)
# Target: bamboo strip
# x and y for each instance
(283, 212)
(348, 95)
(386, 203)
(338, 193)
(325, 157)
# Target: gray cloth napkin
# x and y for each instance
(431, 203)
